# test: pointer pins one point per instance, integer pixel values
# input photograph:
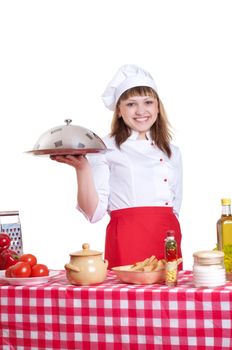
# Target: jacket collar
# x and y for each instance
(134, 135)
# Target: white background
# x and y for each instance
(56, 58)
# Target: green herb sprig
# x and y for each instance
(227, 249)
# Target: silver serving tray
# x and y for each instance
(66, 151)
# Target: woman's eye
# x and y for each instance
(149, 102)
(130, 104)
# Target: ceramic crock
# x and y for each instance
(209, 269)
(86, 267)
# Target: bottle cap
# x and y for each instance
(170, 233)
(226, 201)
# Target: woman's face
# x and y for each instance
(139, 113)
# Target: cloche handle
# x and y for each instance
(68, 121)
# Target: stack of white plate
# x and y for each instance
(209, 269)
(209, 276)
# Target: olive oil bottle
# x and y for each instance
(224, 226)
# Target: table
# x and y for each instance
(113, 316)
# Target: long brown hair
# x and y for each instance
(160, 130)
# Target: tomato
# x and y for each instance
(8, 271)
(38, 270)
(21, 269)
(8, 257)
(31, 259)
(4, 241)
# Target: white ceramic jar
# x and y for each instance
(208, 269)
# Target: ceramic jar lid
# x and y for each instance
(208, 257)
(85, 251)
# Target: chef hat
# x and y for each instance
(127, 77)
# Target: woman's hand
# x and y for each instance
(78, 162)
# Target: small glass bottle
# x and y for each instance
(171, 256)
(224, 225)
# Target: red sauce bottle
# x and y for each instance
(171, 256)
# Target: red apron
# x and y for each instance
(134, 234)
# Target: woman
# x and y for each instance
(139, 182)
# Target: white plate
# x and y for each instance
(209, 285)
(28, 281)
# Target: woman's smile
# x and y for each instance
(139, 112)
(141, 119)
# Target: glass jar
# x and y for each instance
(208, 269)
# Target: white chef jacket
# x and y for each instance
(136, 175)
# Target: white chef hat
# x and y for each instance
(127, 77)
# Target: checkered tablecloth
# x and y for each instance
(115, 316)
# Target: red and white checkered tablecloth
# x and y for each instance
(115, 316)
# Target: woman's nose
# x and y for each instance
(140, 109)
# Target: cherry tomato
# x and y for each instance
(38, 270)
(21, 269)
(8, 271)
(31, 259)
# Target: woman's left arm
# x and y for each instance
(178, 188)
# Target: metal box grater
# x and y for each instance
(13, 228)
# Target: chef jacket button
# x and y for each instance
(161, 159)
(166, 203)
(165, 180)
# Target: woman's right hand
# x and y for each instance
(78, 162)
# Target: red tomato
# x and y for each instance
(8, 271)
(4, 241)
(8, 257)
(38, 270)
(21, 269)
(29, 258)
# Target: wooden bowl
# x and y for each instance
(139, 277)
